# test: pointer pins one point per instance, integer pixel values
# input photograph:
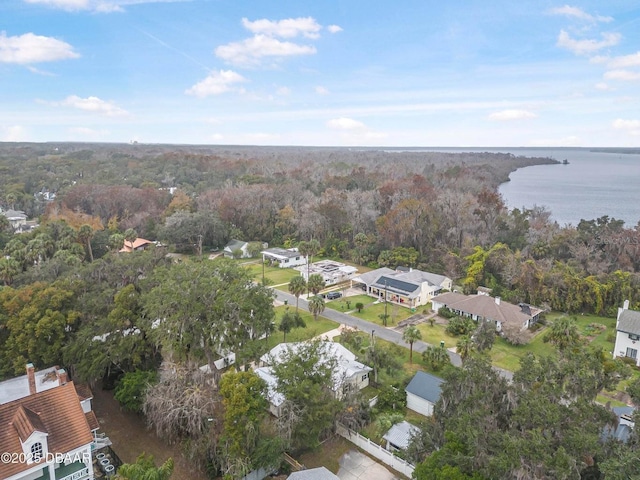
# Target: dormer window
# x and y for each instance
(36, 452)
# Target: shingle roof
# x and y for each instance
(282, 252)
(486, 307)
(320, 473)
(26, 421)
(629, 322)
(425, 385)
(62, 418)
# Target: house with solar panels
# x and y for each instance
(404, 286)
(627, 333)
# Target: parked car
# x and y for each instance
(333, 295)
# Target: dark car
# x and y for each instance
(333, 295)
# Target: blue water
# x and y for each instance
(592, 185)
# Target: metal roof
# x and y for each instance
(425, 385)
(400, 434)
(320, 473)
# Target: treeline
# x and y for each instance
(432, 210)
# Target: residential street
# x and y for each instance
(379, 331)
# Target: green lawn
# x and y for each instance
(396, 313)
(341, 303)
(434, 335)
(313, 328)
(273, 275)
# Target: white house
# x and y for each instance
(284, 258)
(17, 218)
(46, 427)
(486, 308)
(332, 272)
(235, 245)
(348, 375)
(627, 333)
(406, 287)
(423, 392)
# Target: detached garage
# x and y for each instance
(423, 392)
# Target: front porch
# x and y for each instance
(73, 471)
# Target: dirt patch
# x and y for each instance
(131, 437)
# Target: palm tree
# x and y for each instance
(410, 335)
(315, 283)
(9, 268)
(316, 306)
(309, 249)
(130, 236)
(290, 321)
(297, 286)
(465, 347)
(85, 234)
(563, 333)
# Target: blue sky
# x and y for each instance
(328, 72)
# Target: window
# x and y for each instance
(36, 452)
(632, 353)
(634, 337)
(365, 376)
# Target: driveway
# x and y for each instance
(355, 465)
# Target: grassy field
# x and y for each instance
(313, 328)
(273, 275)
(341, 303)
(372, 313)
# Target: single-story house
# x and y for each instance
(627, 333)
(399, 435)
(284, 258)
(483, 307)
(332, 272)
(410, 288)
(348, 375)
(49, 423)
(17, 218)
(320, 473)
(423, 392)
(235, 245)
(136, 245)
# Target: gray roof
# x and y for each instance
(400, 434)
(320, 473)
(425, 385)
(282, 252)
(629, 322)
(369, 277)
(235, 245)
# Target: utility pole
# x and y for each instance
(385, 302)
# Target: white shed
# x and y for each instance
(423, 392)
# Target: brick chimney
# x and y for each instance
(31, 377)
(62, 376)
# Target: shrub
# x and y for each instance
(359, 306)
(460, 326)
(132, 387)
(446, 313)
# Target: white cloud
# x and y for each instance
(631, 126)
(92, 104)
(625, 61)
(344, 123)
(217, 83)
(251, 51)
(320, 90)
(30, 48)
(70, 5)
(587, 46)
(88, 133)
(625, 75)
(603, 86)
(514, 114)
(334, 28)
(287, 28)
(578, 13)
(14, 133)
(283, 91)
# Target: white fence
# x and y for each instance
(376, 450)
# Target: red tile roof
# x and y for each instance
(61, 417)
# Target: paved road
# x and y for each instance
(364, 326)
(384, 333)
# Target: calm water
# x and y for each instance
(592, 185)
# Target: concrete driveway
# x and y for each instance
(355, 465)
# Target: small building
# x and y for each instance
(349, 374)
(17, 218)
(48, 426)
(423, 392)
(332, 272)
(482, 307)
(399, 435)
(404, 286)
(627, 333)
(135, 246)
(320, 473)
(235, 246)
(284, 258)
